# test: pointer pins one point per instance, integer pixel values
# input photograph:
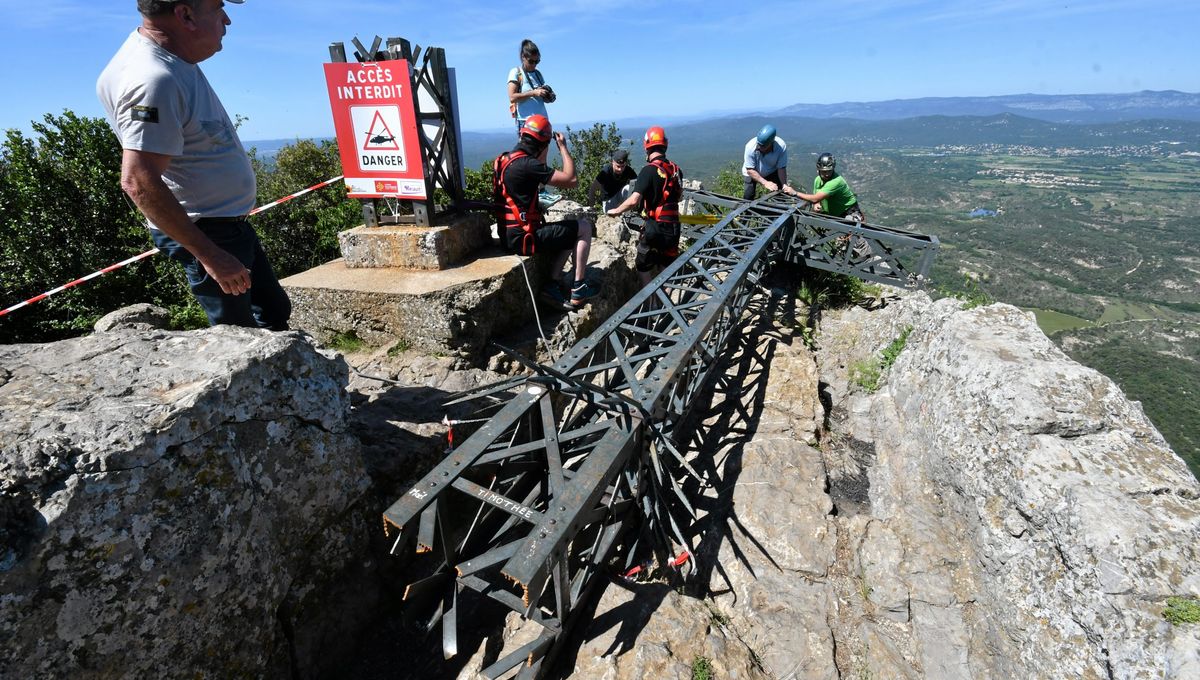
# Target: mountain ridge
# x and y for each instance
(1067, 108)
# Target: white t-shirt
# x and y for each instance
(160, 103)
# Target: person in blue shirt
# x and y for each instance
(528, 93)
(765, 163)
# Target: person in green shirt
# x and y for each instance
(831, 194)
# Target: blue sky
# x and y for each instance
(612, 59)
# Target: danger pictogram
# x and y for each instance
(377, 128)
(379, 136)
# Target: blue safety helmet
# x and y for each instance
(766, 135)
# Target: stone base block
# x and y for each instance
(411, 247)
(451, 310)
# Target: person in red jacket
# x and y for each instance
(657, 191)
(517, 176)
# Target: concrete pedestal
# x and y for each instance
(411, 247)
(450, 310)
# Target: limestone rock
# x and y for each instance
(142, 317)
(1042, 520)
(168, 504)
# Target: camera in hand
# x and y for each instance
(550, 96)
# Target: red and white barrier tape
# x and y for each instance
(152, 251)
(285, 199)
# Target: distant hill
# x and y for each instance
(1091, 121)
(703, 148)
(1067, 108)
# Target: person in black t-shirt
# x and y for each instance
(658, 188)
(612, 182)
(518, 174)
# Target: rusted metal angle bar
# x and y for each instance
(523, 655)
(420, 496)
(529, 568)
(488, 559)
(585, 430)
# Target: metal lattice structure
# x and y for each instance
(583, 457)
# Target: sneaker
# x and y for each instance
(583, 291)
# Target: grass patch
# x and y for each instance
(702, 668)
(346, 342)
(402, 345)
(868, 373)
(188, 316)
(1124, 311)
(1052, 322)
(1181, 610)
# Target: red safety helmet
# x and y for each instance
(655, 136)
(538, 127)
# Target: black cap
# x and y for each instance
(620, 155)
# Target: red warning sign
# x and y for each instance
(376, 126)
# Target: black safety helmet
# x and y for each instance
(826, 161)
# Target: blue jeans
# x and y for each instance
(265, 305)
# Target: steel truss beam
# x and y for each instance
(874, 253)
(530, 507)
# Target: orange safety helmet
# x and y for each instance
(655, 136)
(538, 127)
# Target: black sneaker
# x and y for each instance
(582, 292)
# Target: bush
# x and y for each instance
(302, 233)
(1182, 610)
(591, 149)
(63, 215)
(729, 180)
(821, 288)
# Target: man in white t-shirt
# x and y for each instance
(183, 164)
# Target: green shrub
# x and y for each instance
(302, 233)
(346, 342)
(1181, 610)
(892, 351)
(868, 373)
(729, 180)
(590, 149)
(702, 668)
(820, 288)
(63, 215)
